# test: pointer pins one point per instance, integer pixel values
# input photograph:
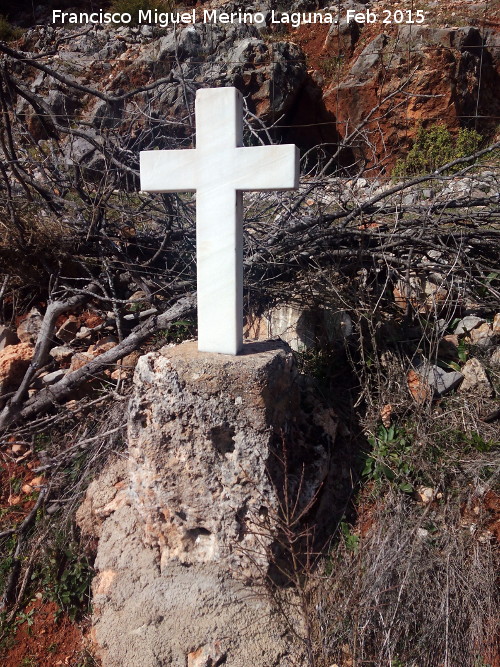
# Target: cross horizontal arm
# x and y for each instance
(168, 171)
(267, 168)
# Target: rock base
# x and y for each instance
(190, 526)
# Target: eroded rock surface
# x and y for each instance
(188, 527)
(446, 73)
(14, 360)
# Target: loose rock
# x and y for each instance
(475, 379)
(14, 361)
(7, 337)
(68, 330)
(483, 336)
(439, 380)
(28, 329)
(61, 353)
(468, 324)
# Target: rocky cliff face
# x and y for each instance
(416, 75)
(193, 514)
(365, 86)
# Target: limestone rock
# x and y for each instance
(483, 336)
(125, 366)
(102, 346)
(55, 376)
(232, 55)
(475, 379)
(495, 357)
(409, 293)
(83, 332)
(425, 494)
(14, 360)
(28, 329)
(439, 381)
(7, 337)
(81, 152)
(106, 115)
(446, 61)
(197, 507)
(81, 358)
(68, 330)
(203, 454)
(300, 327)
(435, 296)
(342, 37)
(468, 323)
(61, 353)
(206, 656)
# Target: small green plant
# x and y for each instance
(490, 283)
(29, 661)
(329, 65)
(389, 459)
(26, 617)
(177, 333)
(470, 442)
(15, 484)
(351, 540)
(434, 147)
(85, 659)
(41, 440)
(137, 307)
(65, 576)
(7, 559)
(8, 32)
(74, 470)
(463, 351)
(317, 363)
(480, 662)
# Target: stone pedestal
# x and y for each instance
(193, 528)
(205, 431)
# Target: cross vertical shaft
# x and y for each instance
(219, 169)
(219, 222)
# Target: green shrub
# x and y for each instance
(434, 147)
(132, 7)
(65, 576)
(390, 459)
(176, 333)
(8, 32)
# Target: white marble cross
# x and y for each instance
(219, 169)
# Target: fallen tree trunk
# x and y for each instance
(62, 390)
(42, 347)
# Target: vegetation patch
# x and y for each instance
(8, 32)
(433, 148)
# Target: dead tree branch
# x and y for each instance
(63, 389)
